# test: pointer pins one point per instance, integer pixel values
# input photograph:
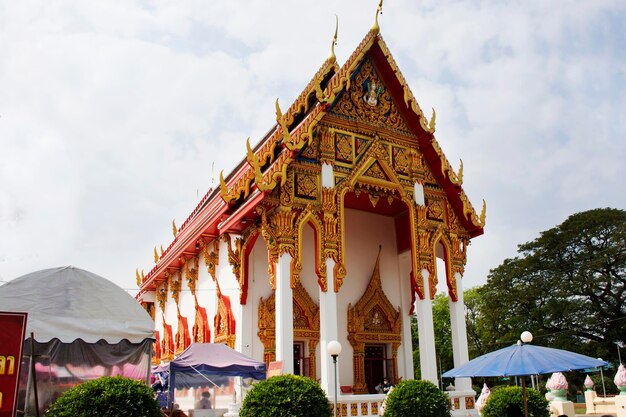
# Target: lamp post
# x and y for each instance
(525, 337)
(334, 349)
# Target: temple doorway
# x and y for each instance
(299, 359)
(374, 366)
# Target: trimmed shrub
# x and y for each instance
(286, 396)
(417, 398)
(106, 397)
(509, 402)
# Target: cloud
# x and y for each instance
(112, 114)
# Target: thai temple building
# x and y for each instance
(329, 229)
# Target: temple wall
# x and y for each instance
(258, 286)
(364, 232)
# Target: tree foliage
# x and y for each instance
(509, 402)
(417, 398)
(286, 396)
(107, 397)
(567, 286)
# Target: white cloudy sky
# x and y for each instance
(112, 113)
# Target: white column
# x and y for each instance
(284, 313)
(426, 332)
(459, 333)
(328, 328)
(406, 349)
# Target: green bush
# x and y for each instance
(509, 402)
(417, 398)
(106, 397)
(609, 385)
(286, 396)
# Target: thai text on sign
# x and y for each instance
(12, 335)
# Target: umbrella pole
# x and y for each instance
(524, 395)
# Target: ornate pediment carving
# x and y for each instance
(373, 317)
(369, 100)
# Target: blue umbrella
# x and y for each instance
(524, 359)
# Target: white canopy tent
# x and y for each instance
(84, 327)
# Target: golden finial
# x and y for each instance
(279, 113)
(143, 277)
(162, 251)
(223, 186)
(431, 124)
(332, 56)
(250, 156)
(483, 214)
(375, 28)
(174, 228)
(138, 277)
(459, 175)
(156, 255)
(280, 119)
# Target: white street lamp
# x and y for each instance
(334, 349)
(526, 337)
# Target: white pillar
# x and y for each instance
(284, 313)
(426, 332)
(328, 175)
(459, 333)
(406, 349)
(328, 328)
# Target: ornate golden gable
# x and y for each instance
(372, 320)
(306, 324)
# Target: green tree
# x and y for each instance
(443, 335)
(567, 286)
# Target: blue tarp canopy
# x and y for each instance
(524, 359)
(207, 364)
(217, 359)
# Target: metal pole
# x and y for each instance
(335, 401)
(619, 356)
(524, 395)
(602, 378)
(32, 369)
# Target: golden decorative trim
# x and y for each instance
(234, 256)
(191, 274)
(167, 344)
(183, 339)
(306, 324)
(161, 296)
(212, 258)
(224, 322)
(175, 285)
(201, 332)
(310, 217)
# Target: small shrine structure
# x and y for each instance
(329, 229)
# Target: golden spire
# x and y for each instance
(156, 255)
(375, 28)
(138, 277)
(174, 228)
(332, 56)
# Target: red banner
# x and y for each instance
(12, 335)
